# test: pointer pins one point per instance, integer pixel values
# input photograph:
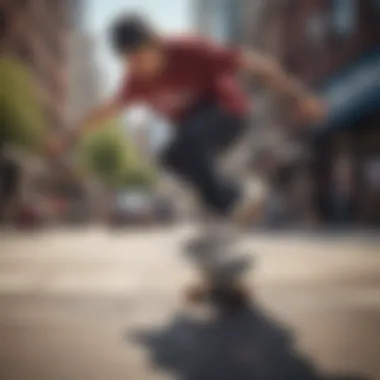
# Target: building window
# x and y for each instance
(344, 16)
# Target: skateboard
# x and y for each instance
(222, 269)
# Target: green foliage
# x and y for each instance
(140, 176)
(21, 116)
(110, 155)
(105, 154)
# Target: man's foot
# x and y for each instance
(234, 267)
(205, 244)
(252, 203)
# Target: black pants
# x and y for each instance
(205, 133)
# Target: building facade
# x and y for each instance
(332, 46)
(84, 86)
(220, 19)
(37, 32)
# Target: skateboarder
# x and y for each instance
(194, 83)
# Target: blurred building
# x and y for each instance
(220, 19)
(38, 34)
(84, 93)
(84, 86)
(333, 46)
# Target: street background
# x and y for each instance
(91, 266)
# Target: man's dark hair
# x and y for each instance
(130, 32)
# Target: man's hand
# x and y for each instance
(310, 110)
(57, 146)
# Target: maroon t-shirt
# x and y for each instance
(197, 71)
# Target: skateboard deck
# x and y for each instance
(223, 270)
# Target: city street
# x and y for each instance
(93, 304)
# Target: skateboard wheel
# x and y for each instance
(196, 294)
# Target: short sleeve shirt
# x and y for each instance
(196, 71)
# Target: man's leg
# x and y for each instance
(193, 155)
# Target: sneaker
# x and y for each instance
(234, 268)
(251, 205)
(205, 243)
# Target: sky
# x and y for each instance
(168, 15)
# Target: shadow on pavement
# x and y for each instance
(245, 346)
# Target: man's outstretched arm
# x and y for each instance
(95, 118)
(271, 74)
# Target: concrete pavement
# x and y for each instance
(72, 301)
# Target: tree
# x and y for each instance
(110, 155)
(21, 117)
(104, 152)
